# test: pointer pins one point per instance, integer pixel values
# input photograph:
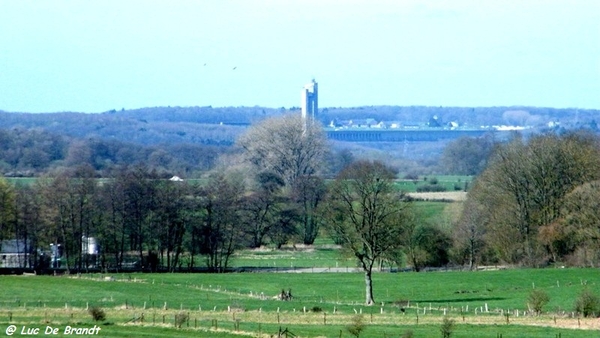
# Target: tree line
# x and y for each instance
(136, 216)
(33, 153)
(535, 204)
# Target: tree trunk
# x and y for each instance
(369, 287)
(471, 255)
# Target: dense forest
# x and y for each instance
(186, 141)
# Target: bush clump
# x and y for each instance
(180, 319)
(587, 304)
(431, 188)
(97, 313)
(447, 327)
(357, 326)
(537, 299)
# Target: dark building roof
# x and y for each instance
(13, 246)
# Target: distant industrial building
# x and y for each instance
(310, 101)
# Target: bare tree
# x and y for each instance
(579, 230)
(168, 221)
(367, 215)
(308, 192)
(524, 188)
(469, 232)
(221, 232)
(262, 207)
(69, 199)
(285, 146)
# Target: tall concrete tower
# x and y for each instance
(310, 99)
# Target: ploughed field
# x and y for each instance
(481, 304)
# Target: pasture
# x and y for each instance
(482, 304)
(448, 182)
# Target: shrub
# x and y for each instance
(357, 326)
(97, 314)
(433, 181)
(447, 327)
(316, 309)
(537, 299)
(180, 318)
(431, 188)
(587, 304)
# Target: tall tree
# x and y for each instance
(578, 232)
(308, 192)
(69, 203)
(262, 207)
(221, 233)
(469, 233)
(168, 221)
(7, 208)
(139, 192)
(285, 146)
(467, 155)
(29, 224)
(524, 187)
(112, 233)
(367, 215)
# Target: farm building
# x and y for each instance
(16, 253)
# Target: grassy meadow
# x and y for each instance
(449, 182)
(323, 304)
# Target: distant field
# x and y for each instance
(448, 182)
(454, 196)
(324, 254)
(245, 302)
(320, 256)
(21, 180)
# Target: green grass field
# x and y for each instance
(449, 182)
(322, 254)
(246, 300)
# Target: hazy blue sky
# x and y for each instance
(93, 56)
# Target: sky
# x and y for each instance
(94, 56)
